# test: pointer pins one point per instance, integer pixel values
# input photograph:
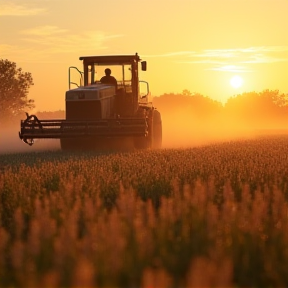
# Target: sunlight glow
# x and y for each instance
(236, 81)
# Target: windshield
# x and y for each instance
(122, 73)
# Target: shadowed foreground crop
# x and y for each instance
(210, 216)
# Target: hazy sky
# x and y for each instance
(189, 44)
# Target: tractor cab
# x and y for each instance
(128, 90)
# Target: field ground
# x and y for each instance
(209, 216)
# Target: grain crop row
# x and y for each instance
(148, 218)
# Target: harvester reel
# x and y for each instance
(31, 121)
(30, 142)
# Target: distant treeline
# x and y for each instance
(266, 109)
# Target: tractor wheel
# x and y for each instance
(154, 139)
(156, 130)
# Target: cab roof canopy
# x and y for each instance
(110, 59)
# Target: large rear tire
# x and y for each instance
(156, 130)
(154, 138)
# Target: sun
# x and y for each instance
(236, 81)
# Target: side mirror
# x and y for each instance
(143, 65)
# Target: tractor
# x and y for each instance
(102, 114)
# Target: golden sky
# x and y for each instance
(197, 45)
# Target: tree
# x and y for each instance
(187, 103)
(14, 88)
(275, 97)
(266, 109)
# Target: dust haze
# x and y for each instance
(183, 130)
(180, 130)
(11, 143)
(197, 120)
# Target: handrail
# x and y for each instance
(69, 76)
(148, 92)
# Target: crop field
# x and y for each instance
(209, 216)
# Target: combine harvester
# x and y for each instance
(102, 113)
